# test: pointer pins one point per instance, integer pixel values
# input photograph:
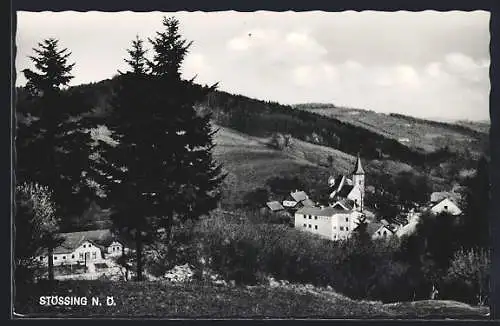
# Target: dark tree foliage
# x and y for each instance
(282, 186)
(360, 234)
(161, 174)
(53, 142)
(475, 229)
(138, 61)
(169, 49)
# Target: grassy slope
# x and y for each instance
(249, 162)
(422, 134)
(160, 299)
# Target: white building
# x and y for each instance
(446, 205)
(84, 247)
(333, 223)
(352, 188)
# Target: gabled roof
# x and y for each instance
(275, 206)
(358, 169)
(371, 228)
(72, 240)
(441, 195)
(345, 203)
(299, 196)
(308, 203)
(345, 191)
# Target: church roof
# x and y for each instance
(358, 169)
(345, 191)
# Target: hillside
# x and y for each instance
(319, 134)
(165, 300)
(419, 134)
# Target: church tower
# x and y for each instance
(358, 180)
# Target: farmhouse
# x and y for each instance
(85, 247)
(447, 205)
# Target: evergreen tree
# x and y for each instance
(170, 49)
(161, 174)
(53, 141)
(138, 61)
(360, 233)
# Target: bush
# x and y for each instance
(468, 276)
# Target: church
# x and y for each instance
(346, 203)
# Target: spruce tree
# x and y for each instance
(161, 174)
(53, 146)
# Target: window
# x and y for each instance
(81, 255)
(64, 257)
(84, 246)
(346, 228)
(309, 225)
(445, 206)
(315, 217)
(55, 257)
(347, 219)
(41, 257)
(334, 227)
(315, 227)
(310, 216)
(72, 256)
(305, 225)
(341, 228)
(90, 245)
(94, 255)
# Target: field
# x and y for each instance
(415, 133)
(165, 300)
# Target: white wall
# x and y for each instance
(78, 255)
(446, 205)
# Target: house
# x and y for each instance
(275, 206)
(289, 203)
(446, 205)
(329, 222)
(85, 247)
(380, 230)
(299, 196)
(353, 189)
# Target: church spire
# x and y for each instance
(358, 169)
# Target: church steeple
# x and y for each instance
(358, 169)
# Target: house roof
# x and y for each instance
(299, 196)
(345, 203)
(439, 196)
(72, 240)
(308, 203)
(275, 206)
(345, 191)
(371, 228)
(320, 211)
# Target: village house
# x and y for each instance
(85, 247)
(446, 205)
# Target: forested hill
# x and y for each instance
(416, 142)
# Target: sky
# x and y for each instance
(426, 64)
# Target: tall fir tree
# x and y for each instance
(161, 174)
(170, 49)
(53, 145)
